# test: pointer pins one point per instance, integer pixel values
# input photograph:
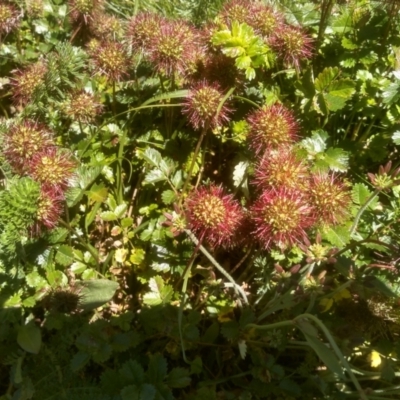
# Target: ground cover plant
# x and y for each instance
(199, 199)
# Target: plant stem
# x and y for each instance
(196, 152)
(236, 287)
(361, 211)
(327, 334)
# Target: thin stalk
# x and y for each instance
(196, 153)
(361, 211)
(236, 287)
(329, 337)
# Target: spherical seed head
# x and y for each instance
(280, 217)
(143, 29)
(9, 18)
(111, 60)
(271, 127)
(213, 215)
(82, 11)
(22, 141)
(293, 45)
(330, 197)
(50, 208)
(52, 166)
(235, 10)
(281, 167)
(105, 26)
(201, 106)
(27, 83)
(171, 50)
(220, 69)
(83, 107)
(264, 19)
(66, 300)
(34, 8)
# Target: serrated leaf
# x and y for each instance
(96, 292)
(78, 267)
(153, 176)
(65, 255)
(396, 137)
(338, 236)
(391, 93)
(316, 143)
(177, 180)
(108, 216)
(147, 392)
(97, 193)
(168, 197)
(325, 78)
(132, 373)
(157, 369)
(120, 210)
(178, 378)
(35, 280)
(137, 256)
(131, 392)
(151, 156)
(242, 348)
(360, 193)
(56, 278)
(79, 360)
(239, 172)
(29, 337)
(159, 292)
(230, 330)
(167, 167)
(334, 159)
(348, 44)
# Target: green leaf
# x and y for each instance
(126, 222)
(391, 93)
(131, 392)
(151, 156)
(325, 354)
(132, 373)
(96, 292)
(396, 137)
(79, 360)
(97, 193)
(230, 330)
(65, 255)
(157, 369)
(78, 267)
(168, 197)
(334, 159)
(35, 280)
(360, 193)
(159, 294)
(239, 173)
(178, 378)
(108, 216)
(242, 348)
(315, 144)
(29, 337)
(325, 78)
(148, 391)
(338, 236)
(153, 176)
(56, 278)
(348, 44)
(120, 210)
